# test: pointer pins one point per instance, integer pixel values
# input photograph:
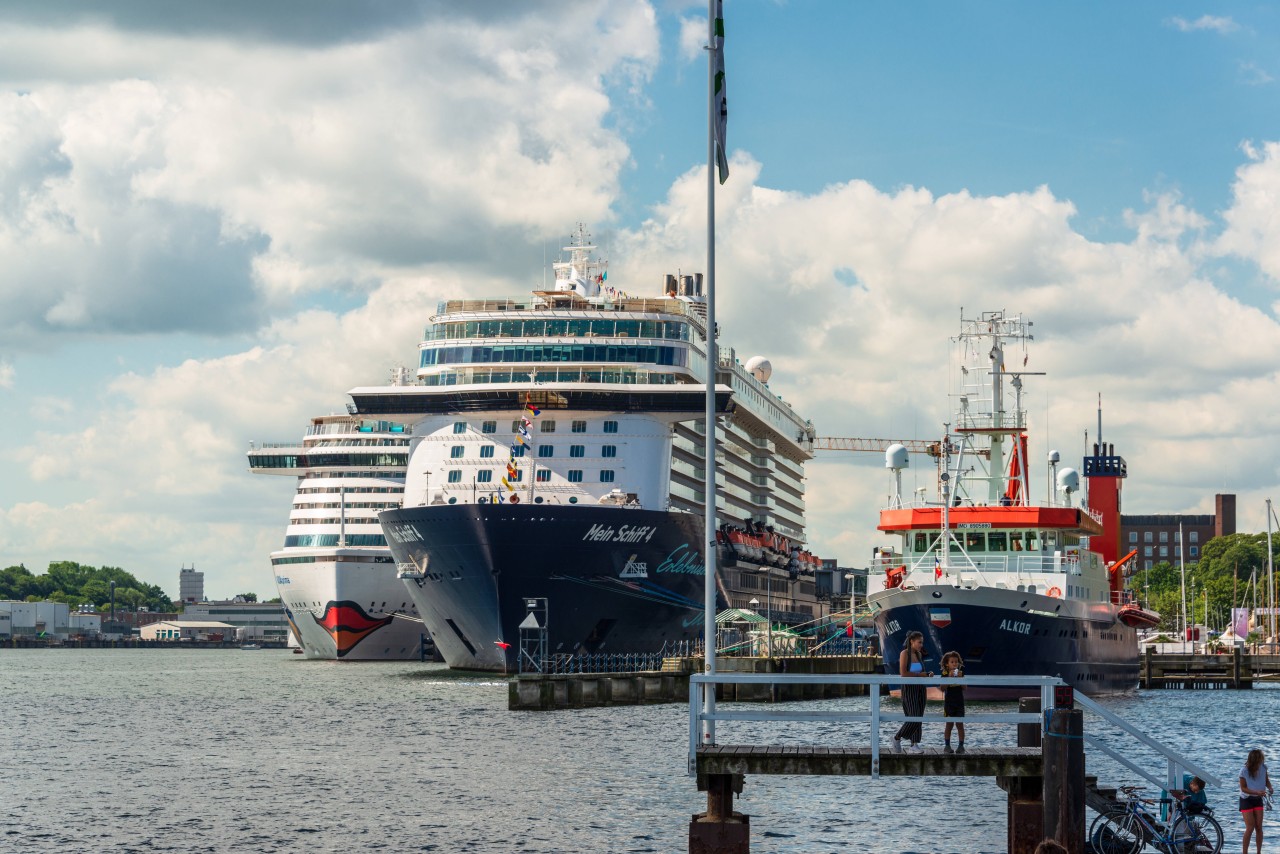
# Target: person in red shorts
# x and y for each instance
(1254, 784)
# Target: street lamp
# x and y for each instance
(769, 612)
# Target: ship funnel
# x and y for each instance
(669, 285)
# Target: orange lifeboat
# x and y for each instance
(1139, 618)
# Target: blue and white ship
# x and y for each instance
(556, 467)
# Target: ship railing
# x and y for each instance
(703, 724)
(611, 662)
(645, 305)
(1025, 568)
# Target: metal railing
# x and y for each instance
(701, 682)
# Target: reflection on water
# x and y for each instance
(203, 750)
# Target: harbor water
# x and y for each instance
(220, 751)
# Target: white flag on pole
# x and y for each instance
(721, 103)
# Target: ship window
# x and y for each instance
(484, 476)
(575, 475)
(1032, 546)
(609, 451)
(975, 542)
(997, 542)
(455, 453)
(955, 545)
(611, 426)
(455, 475)
(517, 450)
(547, 426)
(921, 543)
(515, 426)
(486, 452)
(577, 450)
(544, 476)
(519, 476)
(547, 451)
(606, 476)
(459, 427)
(489, 427)
(579, 427)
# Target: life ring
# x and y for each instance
(1055, 592)
(515, 499)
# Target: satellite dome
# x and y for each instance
(1069, 480)
(1054, 456)
(895, 457)
(760, 368)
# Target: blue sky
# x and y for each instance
(216, 219)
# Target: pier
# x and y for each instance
(1237, 669)
(1042, 772)
(550, 691)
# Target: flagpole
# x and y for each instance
(709, 415)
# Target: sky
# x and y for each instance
(217, 218)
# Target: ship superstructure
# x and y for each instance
(988, 569)
(557, 459)
(334, 573)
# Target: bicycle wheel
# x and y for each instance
(1200, 834)
(1116, 832)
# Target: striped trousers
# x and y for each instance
(912, 705)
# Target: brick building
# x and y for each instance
(1155, 536)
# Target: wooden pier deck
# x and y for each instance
(856, 761)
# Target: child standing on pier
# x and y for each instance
(952, 699)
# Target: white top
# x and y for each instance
(1257, 782)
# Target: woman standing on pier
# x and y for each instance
(911, 663)
(1254, 783)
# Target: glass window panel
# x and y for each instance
(455, 453)
(997, 541)
(577, 450)
(606, 476)
(579, 427)
(975, 542)
(484, 476)
(920, 543)
(544, 476)
(455, 475)
(546, 450)
(611, 426)
(609, 451)
(547, 426)
(486, 451)
(575, 475)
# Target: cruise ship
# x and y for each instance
(1015, 583)
(335, 575)
(554, 486)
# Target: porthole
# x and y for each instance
(573, 499)
(937, 594)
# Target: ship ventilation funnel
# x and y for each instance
(697, 284)
(669, 285)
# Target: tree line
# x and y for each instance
(1220, 580)
(77, 584)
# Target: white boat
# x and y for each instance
(1015, 584)
(334, 573)
(556, 473)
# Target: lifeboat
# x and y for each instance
(1133, 615)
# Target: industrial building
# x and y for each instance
(35, 619)
(193, 630)
(261, 621)
(190, 586)
(1155, 536)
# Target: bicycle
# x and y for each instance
(1130, 827)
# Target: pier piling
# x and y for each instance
(1064, 785)
(720, 830)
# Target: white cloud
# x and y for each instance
(1205, 22)
(155, 182)
(693, 39)
(1254, 74)
(1253, 227)
(7, 373)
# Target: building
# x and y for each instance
(193, 630)
(190, 585)
(1155, 536)
(262, 621)
(37, 619)
(85, 624)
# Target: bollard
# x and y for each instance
(720, 830)
(1064, 796)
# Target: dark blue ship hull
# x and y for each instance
(1006, 633)
(614, 579)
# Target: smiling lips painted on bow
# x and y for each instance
(348, 624)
